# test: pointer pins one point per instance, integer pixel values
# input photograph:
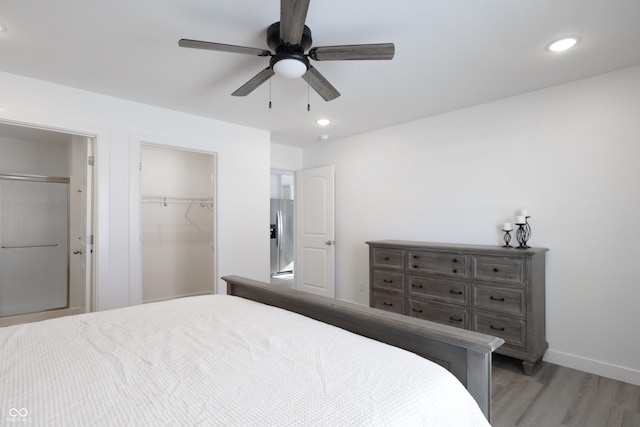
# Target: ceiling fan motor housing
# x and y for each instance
(274, 42)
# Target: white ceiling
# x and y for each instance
(450, 54)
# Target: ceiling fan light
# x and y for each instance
(290, 68)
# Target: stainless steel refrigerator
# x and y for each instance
(281, 229)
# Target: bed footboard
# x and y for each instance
(465, 353)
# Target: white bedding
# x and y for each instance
(217, 360)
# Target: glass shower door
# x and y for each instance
(34, 244)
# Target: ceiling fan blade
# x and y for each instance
(293, 13)
(353, 52)
(320, 84)
(256, 81)
(197, 44)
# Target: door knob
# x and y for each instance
(330, 242)
(77, 252)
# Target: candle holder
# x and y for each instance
(507, 239)
(523, 233)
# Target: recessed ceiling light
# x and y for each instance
(323, 122)
(562, 44)
(324, 137)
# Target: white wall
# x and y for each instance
(29, 157)
(569, 154)
(243, 173)
(286, 158)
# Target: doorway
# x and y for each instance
(281, 228)
(45, 224)
(177, 223)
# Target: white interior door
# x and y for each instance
(81, 224)
(315, 231)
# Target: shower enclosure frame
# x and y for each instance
(53, 180)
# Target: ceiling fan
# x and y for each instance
(289, 39)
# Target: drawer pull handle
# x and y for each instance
(413, 285)
(386, 258)
(496, 329)
(455, 319)
(451, 291)
(416, 310)
(387, 281)
(455, 260)
(492, 298)
(455, 270)
(495, 269)
(415, 257)
(416, 266)
(388, 304)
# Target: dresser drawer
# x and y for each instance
(513, 331)
(389, 302)
(505, 270)
(439, 289)
(389, 280)
(450, 264)
(441, 313)
(389, 258)
(500, 300)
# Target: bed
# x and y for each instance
(253, 357)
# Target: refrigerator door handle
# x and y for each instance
(279, 228)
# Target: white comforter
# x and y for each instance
(217, 360)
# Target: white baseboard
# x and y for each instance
(608, 370)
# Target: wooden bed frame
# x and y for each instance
(466, 354)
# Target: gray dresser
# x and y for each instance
(489, 289)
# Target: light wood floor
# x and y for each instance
(558, 396)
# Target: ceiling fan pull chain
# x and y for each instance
(269, 93)
(308, 98)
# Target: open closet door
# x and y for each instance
(81, 225)
(315, 234)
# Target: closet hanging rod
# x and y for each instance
(179, 200)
